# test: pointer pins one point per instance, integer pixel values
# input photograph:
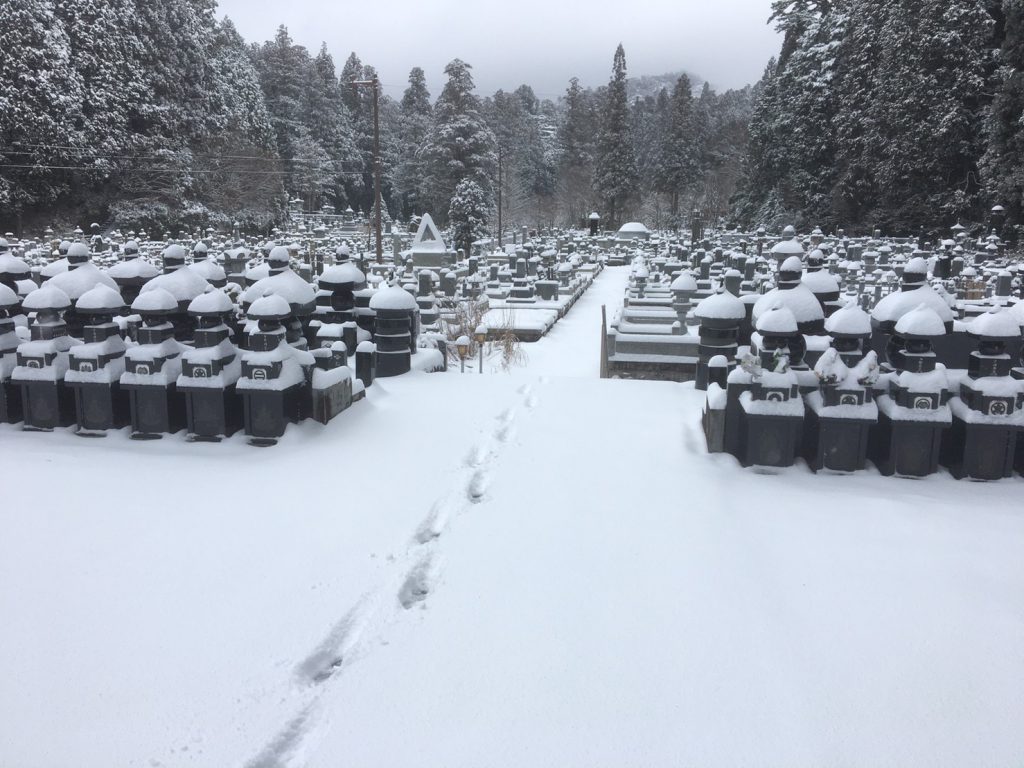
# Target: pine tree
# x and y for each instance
(929, 166)
(40, 101)
(460, 145)
(615, 179)
(680, 168)
(415, 117)
(1003, 163)
(467, 214)
(576, 137)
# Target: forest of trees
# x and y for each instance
(897, 114)
(160, 115)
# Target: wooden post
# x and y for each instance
(604, 342)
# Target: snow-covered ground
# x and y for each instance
(538, 568)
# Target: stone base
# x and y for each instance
(979, 451)
(835, 445)
(47, 405)
(905, 448)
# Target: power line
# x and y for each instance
(94, 169)
(147, 157)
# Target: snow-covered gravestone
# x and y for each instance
(912, 399)
(210, 371)
(394, 309)
(152, 368)
(987, 411)
(841, 412)
(332, 384)
(428, 247)
(274, 383)
(10, 394)
(772, 409)
(96, 366)
(43, 361)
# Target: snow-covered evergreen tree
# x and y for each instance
(680, 167)
(1003, 163)
(576, 138)
(467, 214)
(41, 97)
(415, 113)
(460, 145)
(615, 177)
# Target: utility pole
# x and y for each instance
(499, 196)
(375, 85)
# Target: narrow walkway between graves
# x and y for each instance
(573, 346)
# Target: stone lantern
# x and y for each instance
(132, 272)
(10, 394)
(210, 371)
(850, 329)
(282, 281)
(987, 413)
(207, 268)
(81, 275)
(43, 361)
(96, 366)
(152, 368)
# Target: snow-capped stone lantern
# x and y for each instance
(996, 219)
(850, 329)
(207, 268)
(210, 371)
(10, 394)
(912, 399)
(777, 336)
(96, 366)
(393, 330)
(791, 293)
(684, 288)
(81, 275)
(14, 273)
(821, 283)
(152, 368)
(43, 361)
(594, 222)
(132, 272)
(987, 413)
(282, 281)
(335, 298)
(181, 283)
(720, 316)
(787, 247)
(274, 385)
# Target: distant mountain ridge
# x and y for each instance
(651, 85)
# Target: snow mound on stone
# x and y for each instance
(720, 306)
(392, 298)
(100, 297)
(921, 321)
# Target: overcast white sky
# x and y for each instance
(539, 42)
